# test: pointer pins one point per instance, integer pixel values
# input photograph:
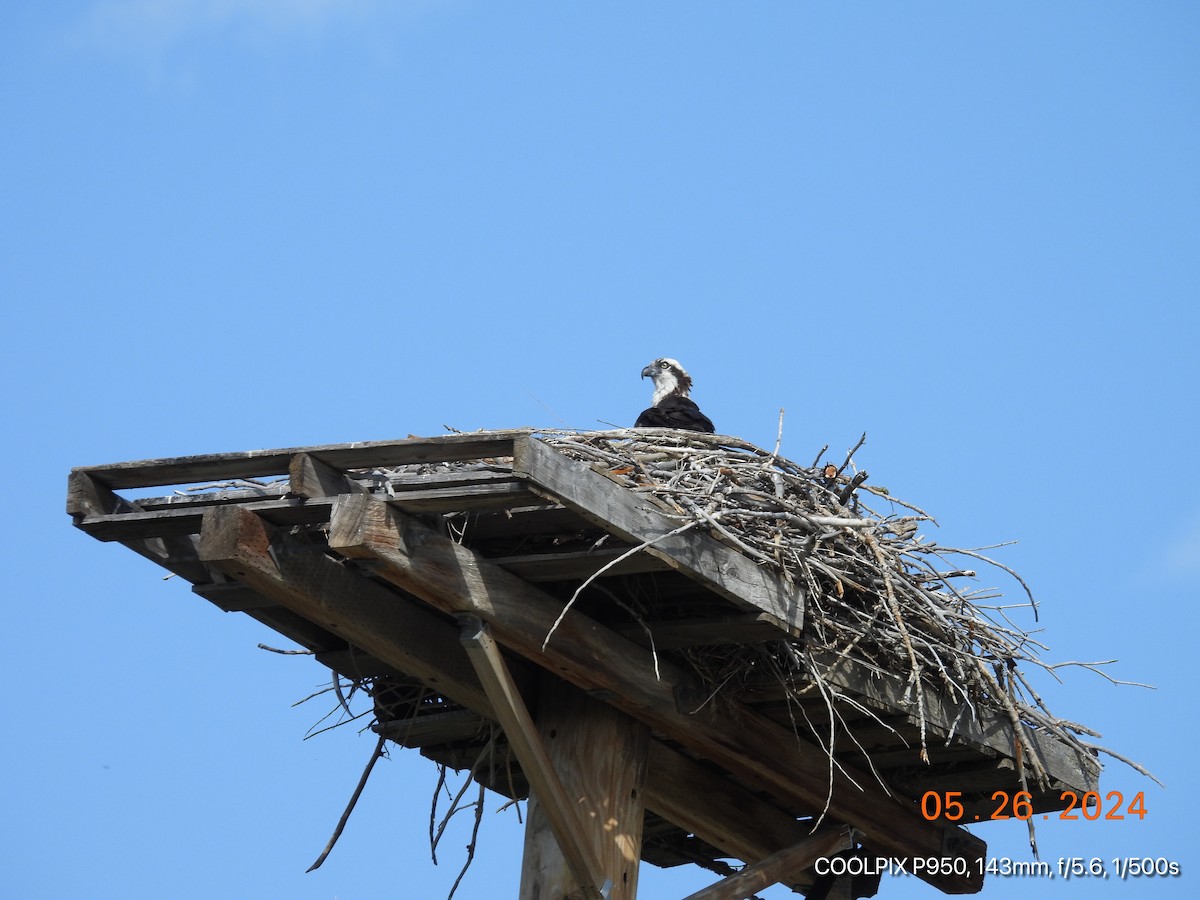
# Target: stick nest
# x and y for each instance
(876, 590)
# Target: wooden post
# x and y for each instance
(600, 756)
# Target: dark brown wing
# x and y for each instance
(675, 412)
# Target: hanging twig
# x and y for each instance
(362, 783)
(604, 568)
(478, 804)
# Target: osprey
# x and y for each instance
(671, 407)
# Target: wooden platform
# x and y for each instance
(388, 558)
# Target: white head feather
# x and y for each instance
(670, 377)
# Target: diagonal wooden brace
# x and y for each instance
(522, 736)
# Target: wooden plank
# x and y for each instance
(482, 475)
(705, 560)
(747, 628)
(754, 749)
(274, 490)
(263, 463)
(499, 495)
(432, 729)
(575, 843)
(578, 565)
(187, 520)
(943, 717)
(774, 868)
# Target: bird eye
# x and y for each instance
(664, 365)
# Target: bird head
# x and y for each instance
(670, 377)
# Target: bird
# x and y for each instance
(671, 407)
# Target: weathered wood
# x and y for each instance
(943, 717)
(727, 816)
(263, 463)
(434, 729)
(186, 520)
(773, 869)
(578, 565)
(600, 756)
(397, 630)
(185, 516)
(310, 476)
(574, 844)
(747, 628)
(88, 497)
(702, 558)
(232, 596)
(497, 495)
(751, 747)
(681, 790)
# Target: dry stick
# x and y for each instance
(1093, 667)
(778, 442)
(454, 807)
(362, 783)
(1129, 762)
(470, 846)
(999, 565)
(1014, 718)
(637, 618)
(850, 455)
(338, 724)
(437, 790)
(628, 553)
(287, 652)
(915, 674)
(337, 689)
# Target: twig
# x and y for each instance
(287, 652)
(471, 845)
(362, 783)
(604, 568)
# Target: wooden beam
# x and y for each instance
(572, 839)
(743, 628)
(771, 870)
(944, 717)
(262, 463)
(757, 751)
(310, 476)
(707, 803)
(188, 518)
(89, 499)
(574, 565)
(718, 567)
(313, 585)
(600, 756)
(391, 627)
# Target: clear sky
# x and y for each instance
(971, 230)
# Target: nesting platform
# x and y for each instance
(435, 572)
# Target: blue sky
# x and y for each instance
(970, 230)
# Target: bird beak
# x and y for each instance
(648, 372)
